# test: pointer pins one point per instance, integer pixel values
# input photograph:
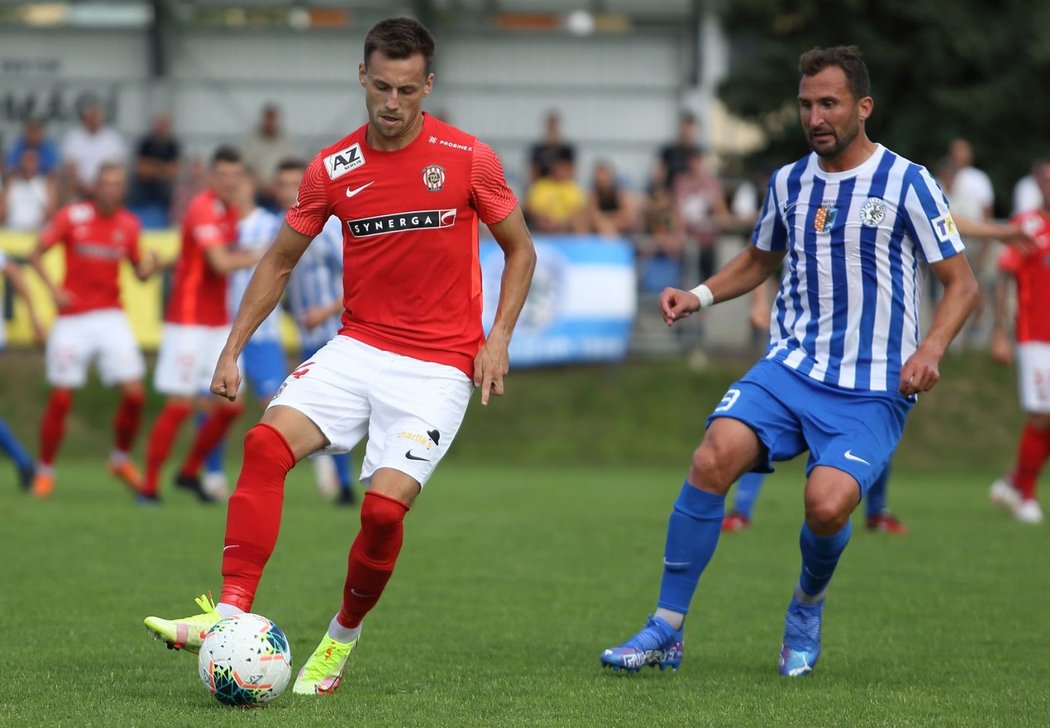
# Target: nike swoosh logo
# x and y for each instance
(231, 546)
(850, 456)
(358, 594)
(410, 456)
(351, 193)
(676, 564)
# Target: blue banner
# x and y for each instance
(582, 303)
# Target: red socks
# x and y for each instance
(161, 438)
(209, 435)
(254, 516)
(126, 421)
(53, 426)
(372, 556)
(1031, 454)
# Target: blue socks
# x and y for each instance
(820, 556)
(342, 470)
(747, 490)
(10, 445)
(875, 498)
(692, 534)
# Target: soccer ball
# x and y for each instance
(245, 660)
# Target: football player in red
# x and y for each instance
(196, 324)
(96, 235)
(1029, 271)
(411, 192)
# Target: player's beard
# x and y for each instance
(842, 140)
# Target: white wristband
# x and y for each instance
(704, 294)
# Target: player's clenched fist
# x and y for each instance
(678, 304)
(226, 381)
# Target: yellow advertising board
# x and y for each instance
(142, 300)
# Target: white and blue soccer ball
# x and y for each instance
(245, 660)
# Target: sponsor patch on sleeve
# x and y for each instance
(944, 226)
(343, 161)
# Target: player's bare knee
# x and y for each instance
(710, 469)
(828, 515)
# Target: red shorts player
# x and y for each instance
(196, 324)
(96, 236)
(411, 192)
(1030, 271)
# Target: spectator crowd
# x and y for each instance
(675, 218)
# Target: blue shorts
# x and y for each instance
(265, 367)
(855, 432)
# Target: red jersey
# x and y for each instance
(198, 293)
(1032, 272)
(94, 246)
(411, 276)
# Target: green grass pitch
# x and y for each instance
(511, 582)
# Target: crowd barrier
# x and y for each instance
(581, 306)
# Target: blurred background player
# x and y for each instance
(402, 368)
(1029, 274)
(265, 365)
(9, 443)
(315, 300)
(91, 326)
(196, 324)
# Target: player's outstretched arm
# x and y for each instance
(746, 271)
(149, 264)
(225, 260)
(264, 290)
(59, 295)
(493, 360)
(18, 282)
(1002, 349)
(961, 294)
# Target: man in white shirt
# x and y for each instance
(86, 147)
(971, 196)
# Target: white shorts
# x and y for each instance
(411, 410)
(1033, 376)
(187, 357)
(103, 336)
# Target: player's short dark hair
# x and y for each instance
(848, 58)
(226, 153)
(399, 38)
(291, 164)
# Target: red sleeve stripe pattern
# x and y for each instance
(491, 196)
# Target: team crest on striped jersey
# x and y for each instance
(434, 177)
(872, 212)
(825, 217)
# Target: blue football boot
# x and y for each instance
(658, 643)
(801, 646)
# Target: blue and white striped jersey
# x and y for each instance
(317, 280)
(256, 231)
(847, 313)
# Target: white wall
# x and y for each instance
(618, 95)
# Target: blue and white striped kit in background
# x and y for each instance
(847, 313)
(256, 231)
(317, 280)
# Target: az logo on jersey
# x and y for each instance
(344, 161)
